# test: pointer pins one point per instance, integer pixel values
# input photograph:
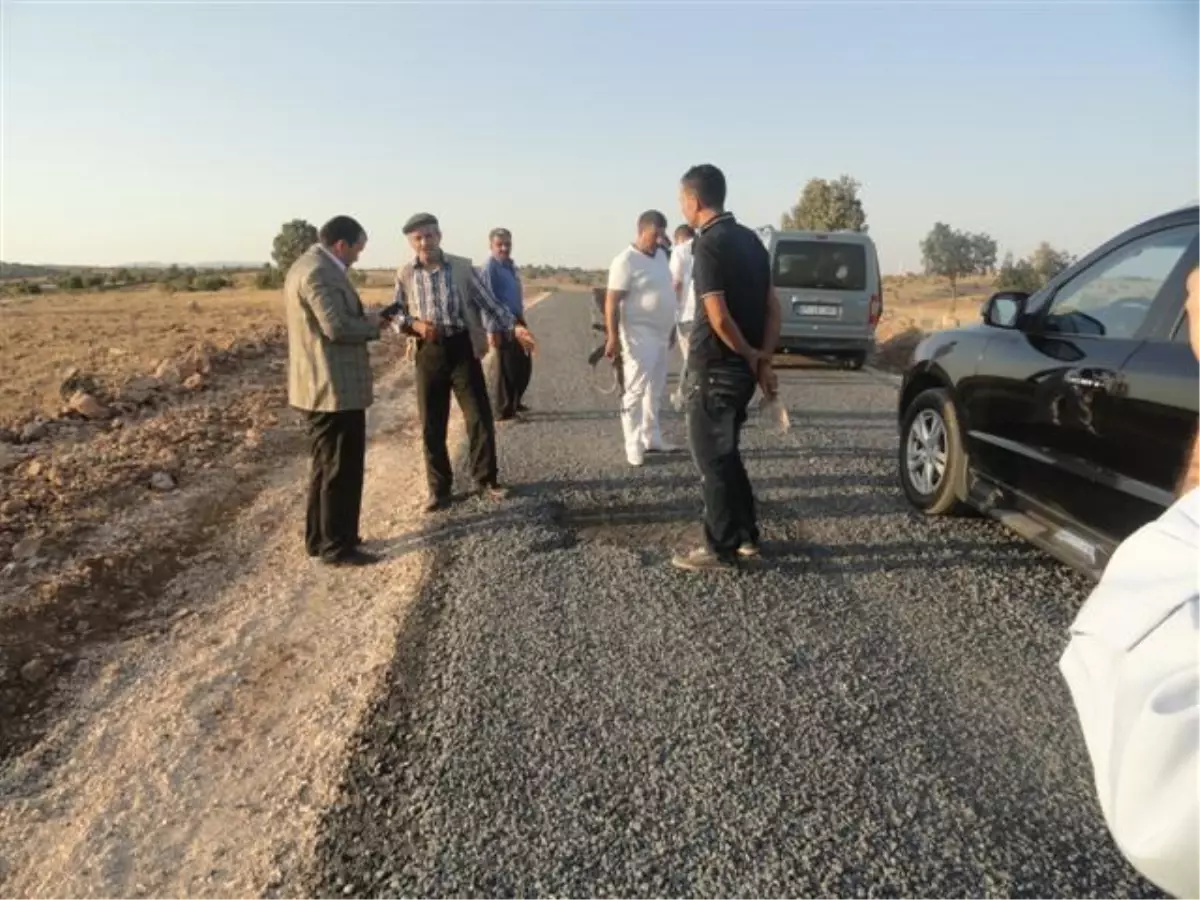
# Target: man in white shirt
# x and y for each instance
(685, 291)
(639, 317)
(1131, 666)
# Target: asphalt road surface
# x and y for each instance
(875, 710)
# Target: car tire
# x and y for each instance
(929, 432)
(855, 361)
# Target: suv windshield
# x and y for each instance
(820, 265)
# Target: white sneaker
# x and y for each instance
(635, 461)
(664, 447)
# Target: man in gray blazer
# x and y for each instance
(329, 379)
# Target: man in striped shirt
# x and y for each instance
(441, 301)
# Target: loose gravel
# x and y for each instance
(875, 710)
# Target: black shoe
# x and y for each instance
(702, 560)
(351, 558)
(522, 408)
(436, 504)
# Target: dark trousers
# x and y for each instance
(339, 447)
(717, 399)
(443, 366)
(515, 371)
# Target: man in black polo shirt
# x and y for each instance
(729, 357)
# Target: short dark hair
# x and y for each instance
(651, 217)
(707, 182)
(341, 228)
(499, 233)
(685, 229)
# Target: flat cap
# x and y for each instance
(420, 220)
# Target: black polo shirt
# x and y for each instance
(730, 259)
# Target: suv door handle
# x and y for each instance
(1092, 379)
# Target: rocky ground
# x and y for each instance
(522, 699)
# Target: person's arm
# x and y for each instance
(677, 276)
(773, 324)
(331, 314)
(710, 290)
(619, 280)
(1131, 667)
(496, 316)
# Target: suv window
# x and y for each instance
(1113, 296)
(820, 265)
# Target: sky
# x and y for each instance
(189, 132)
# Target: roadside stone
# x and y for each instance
(35, 670)
(193, 382)
(26, 548)
(33, 431)
(87, 406)
(168, 373)
(12, 506)
(34, 469)
(10, 457)
(162, 481)
(140, 389)
(253, 438)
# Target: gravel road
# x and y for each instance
(874, 711)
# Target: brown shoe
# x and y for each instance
(494, 492)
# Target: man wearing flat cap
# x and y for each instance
(442, 302)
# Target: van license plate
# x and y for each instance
(816, 309)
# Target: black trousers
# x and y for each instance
(339, 448)
(516, 369)
(444, 366)
(717, 398)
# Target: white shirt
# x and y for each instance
(1131, 666)
(650, 301)
(681, 273)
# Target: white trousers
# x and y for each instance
(644, 358)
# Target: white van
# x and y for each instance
(830, 290)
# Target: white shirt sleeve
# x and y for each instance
(677, 266)
(1131, 667)
(620, 276)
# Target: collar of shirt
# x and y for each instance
(723, 217)
(341, 265)
(417, 264)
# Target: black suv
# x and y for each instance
(1067, 414)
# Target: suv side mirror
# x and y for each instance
(1004, 310)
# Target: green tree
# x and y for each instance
(95, 280)
(827, 206)
(983, 253)
(1048, 262)
(293, 239)
(947, 254)
(75, 283)
(1017, 276)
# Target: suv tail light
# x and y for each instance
(875, 310)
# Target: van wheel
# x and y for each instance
(855, 361)
(932, 456)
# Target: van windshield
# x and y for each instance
(820, 265)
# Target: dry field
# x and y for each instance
(915, 305)
(101, 504)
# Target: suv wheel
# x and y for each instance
(932, 459)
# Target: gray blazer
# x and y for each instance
(329, 368)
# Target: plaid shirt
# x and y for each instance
(439, 301)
